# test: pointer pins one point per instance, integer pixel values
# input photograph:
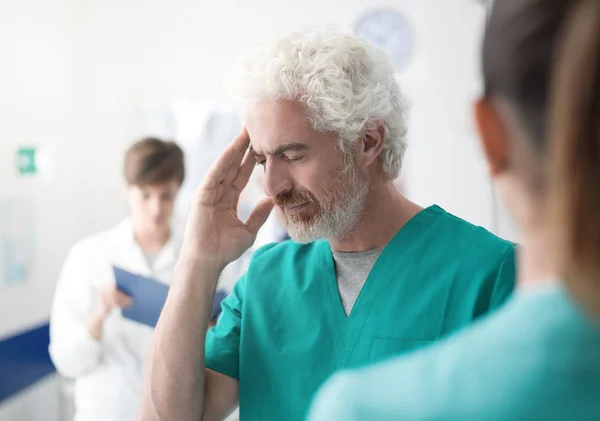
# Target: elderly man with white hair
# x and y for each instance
(367, 275)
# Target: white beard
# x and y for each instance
(340, 211)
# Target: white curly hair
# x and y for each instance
(346, 85)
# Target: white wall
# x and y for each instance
(135, 52)
(35, 108)
(444, 162)
(74, 72)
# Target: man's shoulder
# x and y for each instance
(481, 261)
(479, 254)
(469, 240)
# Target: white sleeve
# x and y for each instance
(72, 349)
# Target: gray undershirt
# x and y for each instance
(352, 270)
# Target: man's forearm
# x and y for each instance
(174, 376)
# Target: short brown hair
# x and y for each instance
(152, 161)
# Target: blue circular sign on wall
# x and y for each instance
(389, 30)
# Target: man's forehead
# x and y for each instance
(279, 149)
(272, 123)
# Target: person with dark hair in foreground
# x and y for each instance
(537, 358)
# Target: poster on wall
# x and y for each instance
(16, 240)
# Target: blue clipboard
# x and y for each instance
(148, 296)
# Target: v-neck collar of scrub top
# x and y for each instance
(346, 327)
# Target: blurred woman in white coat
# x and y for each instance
(90, 341)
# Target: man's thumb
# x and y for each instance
(259, 215)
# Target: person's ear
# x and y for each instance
(373, 139)
(492, 135)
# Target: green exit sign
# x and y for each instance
(26, 160)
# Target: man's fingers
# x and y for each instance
(259, 215)
(244, 172)
(237, 159)
(227, 165)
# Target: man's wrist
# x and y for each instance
(197, 276)
(203, 265)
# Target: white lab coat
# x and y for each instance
(108, 372)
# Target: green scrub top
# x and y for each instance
(283, 331)
(536, 359)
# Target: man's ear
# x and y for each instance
(373, 139)
(492, 135)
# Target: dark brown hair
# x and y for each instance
(152, 161)
(543, 57)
